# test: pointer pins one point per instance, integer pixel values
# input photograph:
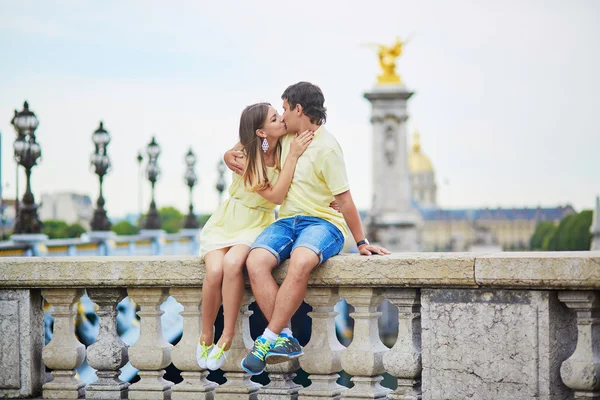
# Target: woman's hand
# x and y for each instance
(300, 143)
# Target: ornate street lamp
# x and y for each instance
(221, 168)
(27, 151)
(152, 173)
(101, 162)
(191, 222)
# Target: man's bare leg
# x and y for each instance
(260, 264)
(293, 289)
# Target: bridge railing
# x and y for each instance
(497, 326)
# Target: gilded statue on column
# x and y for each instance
(387, 62)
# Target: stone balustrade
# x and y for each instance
(498, 326)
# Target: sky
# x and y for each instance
(506, 93)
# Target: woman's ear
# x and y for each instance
(260, 133)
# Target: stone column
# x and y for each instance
(194, 386)
(64, 353)
(151, 353)
(21, 343)
(108, 354)
(581, 371)
(392, 219)
(239, 385)
(323, 352)
(404, 359)
(363, 359)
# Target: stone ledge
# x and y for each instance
(539, 270)
(552, 270)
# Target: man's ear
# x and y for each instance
(299, 109)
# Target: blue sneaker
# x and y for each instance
(254, 363)
(285, 348)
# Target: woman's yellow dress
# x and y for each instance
(239, 219)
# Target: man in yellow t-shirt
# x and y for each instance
(308, 232)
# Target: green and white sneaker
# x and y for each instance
(202, 352)
(217, 357)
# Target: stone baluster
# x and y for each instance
(363, 359)
(404, 359)
(323, 352)
(581, 371)
(64, 353)
(108, 354)
(282, 385)
(238, 383)
(151, 353)
(194, 385)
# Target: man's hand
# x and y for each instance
(235, 161)
(335, 205)
(368, 250)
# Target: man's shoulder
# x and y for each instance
(329, 141)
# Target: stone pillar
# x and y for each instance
(64, 353)
(282, 385)
(581, 371)
(151, 353)
(392, 220)
(21, 342)
(363, 359)
(238, 383)
(194, 386)
(323, 352)
(108, 354)
(404, 359)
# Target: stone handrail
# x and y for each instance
(497, 326)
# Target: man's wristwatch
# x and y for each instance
(364, 241)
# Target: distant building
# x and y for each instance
(67, 206)
(469, 229)
(424, 188)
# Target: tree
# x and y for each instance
(56, 229)
(124, 228)
(171, 220)
(75, 230)
(543, 230)
(572, 234)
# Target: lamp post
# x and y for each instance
(191, 222)
(27, 151)
(221, 180)
(139, 159)
(152, 173)
(101, 162)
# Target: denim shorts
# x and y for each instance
(284, 235)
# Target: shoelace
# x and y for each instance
(281, 341)
(219, 353)
(204, 350)
(261, 349)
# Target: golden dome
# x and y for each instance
(417, 161)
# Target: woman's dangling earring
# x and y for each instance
(265, 145)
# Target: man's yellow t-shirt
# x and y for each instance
(320, 175)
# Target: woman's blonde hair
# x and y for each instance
(255, 175)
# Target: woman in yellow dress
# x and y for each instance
(226, 238)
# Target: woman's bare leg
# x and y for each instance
(233, 290)
(211, 293)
